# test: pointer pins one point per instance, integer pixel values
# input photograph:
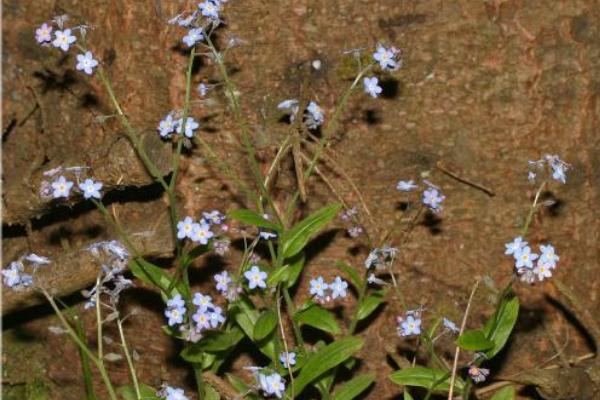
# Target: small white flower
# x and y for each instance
(256, 278)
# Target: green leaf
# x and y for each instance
(281, 274)
(294, 240)
(428, 378)
(407, 395)
(370, 304)
(265, 325)
(241, 387)
(155, 276)
(246, 316)
(128, 392)
(210, 393)
(500, 325)
(507, 393)
(317, 317)
(214, 341)
(353, 387)
(296, 265)
(193, 254)
(474, 340)
(350, 273)
(249, 217)
(325, 359)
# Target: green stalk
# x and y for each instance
(134, 379)
(84, 347)
(85, 364)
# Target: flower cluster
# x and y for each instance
(524, 260)
(410, 324)
(431, 197)
(207, 13)
(63, 39)
(113, 258)
(313, 115)
(198, 232)
(61, 187)
(206, 316)
(351, 216)
(551, 163)
(14, 276)
(326, 292)
(172, 123)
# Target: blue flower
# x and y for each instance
(525, 257)
(37, 260)
(314, 116)
(409, 326)
(432, 198)
(175, 310)
(63, 39)
(43, 34)
(167, 126)
(338, 288)
(61, 187)
(451, 326)
(202, 320)
(201, 233)
(272, 384)
(214, 217)
(90, 189)
(406, 186)
(86, 62)
(216, 317)
(267, 235)
(513, 247)
(223, 280)
(12, 274)
(318, 287)
(287, 358)
(371, 86)
(558, 167)
(256, 278)
(548, 256)
(202, 89)
(543, 270)
(193, 36)
(185, 228)
(190, 126)
(175, 394)
(204, 302)
(209, 9)
(386, 58)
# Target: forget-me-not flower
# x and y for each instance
(318, 287)
(175, 310)
(386, 58)
(86, 62)
(548, 256)
(525, 257)
(204, 302)
(175, 394)
(193, 36)
(185, 228)
(209, 9)
(63, 39)
(190, 126)
(287, 358)
(43, 34)
(223, 280)
(167, 126)
(338, 288)
(513, 247)
(201, 233)
(433, 199)
(409, 326)
(61, 187)
(256, 277)
(90, 189)
(406, 186)
(372, 87)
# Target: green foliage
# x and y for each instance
(128, 392)
(351, 274)
(249, 217)
(349, 390)
(370, 303)
(498, 328)
(246, 316)
(156, 276)
(507, 393)
(265, 325)
(429, 378)
(324, 360)
(294, 240)
(212, 342)
(474, 340)
(317, 317)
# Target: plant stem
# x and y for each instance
(84, 347)
(129, 360)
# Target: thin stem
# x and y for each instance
(83, 346)
(129, 359)
(462, 329)
(532, 210)
(99, 320)
(292, 311)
